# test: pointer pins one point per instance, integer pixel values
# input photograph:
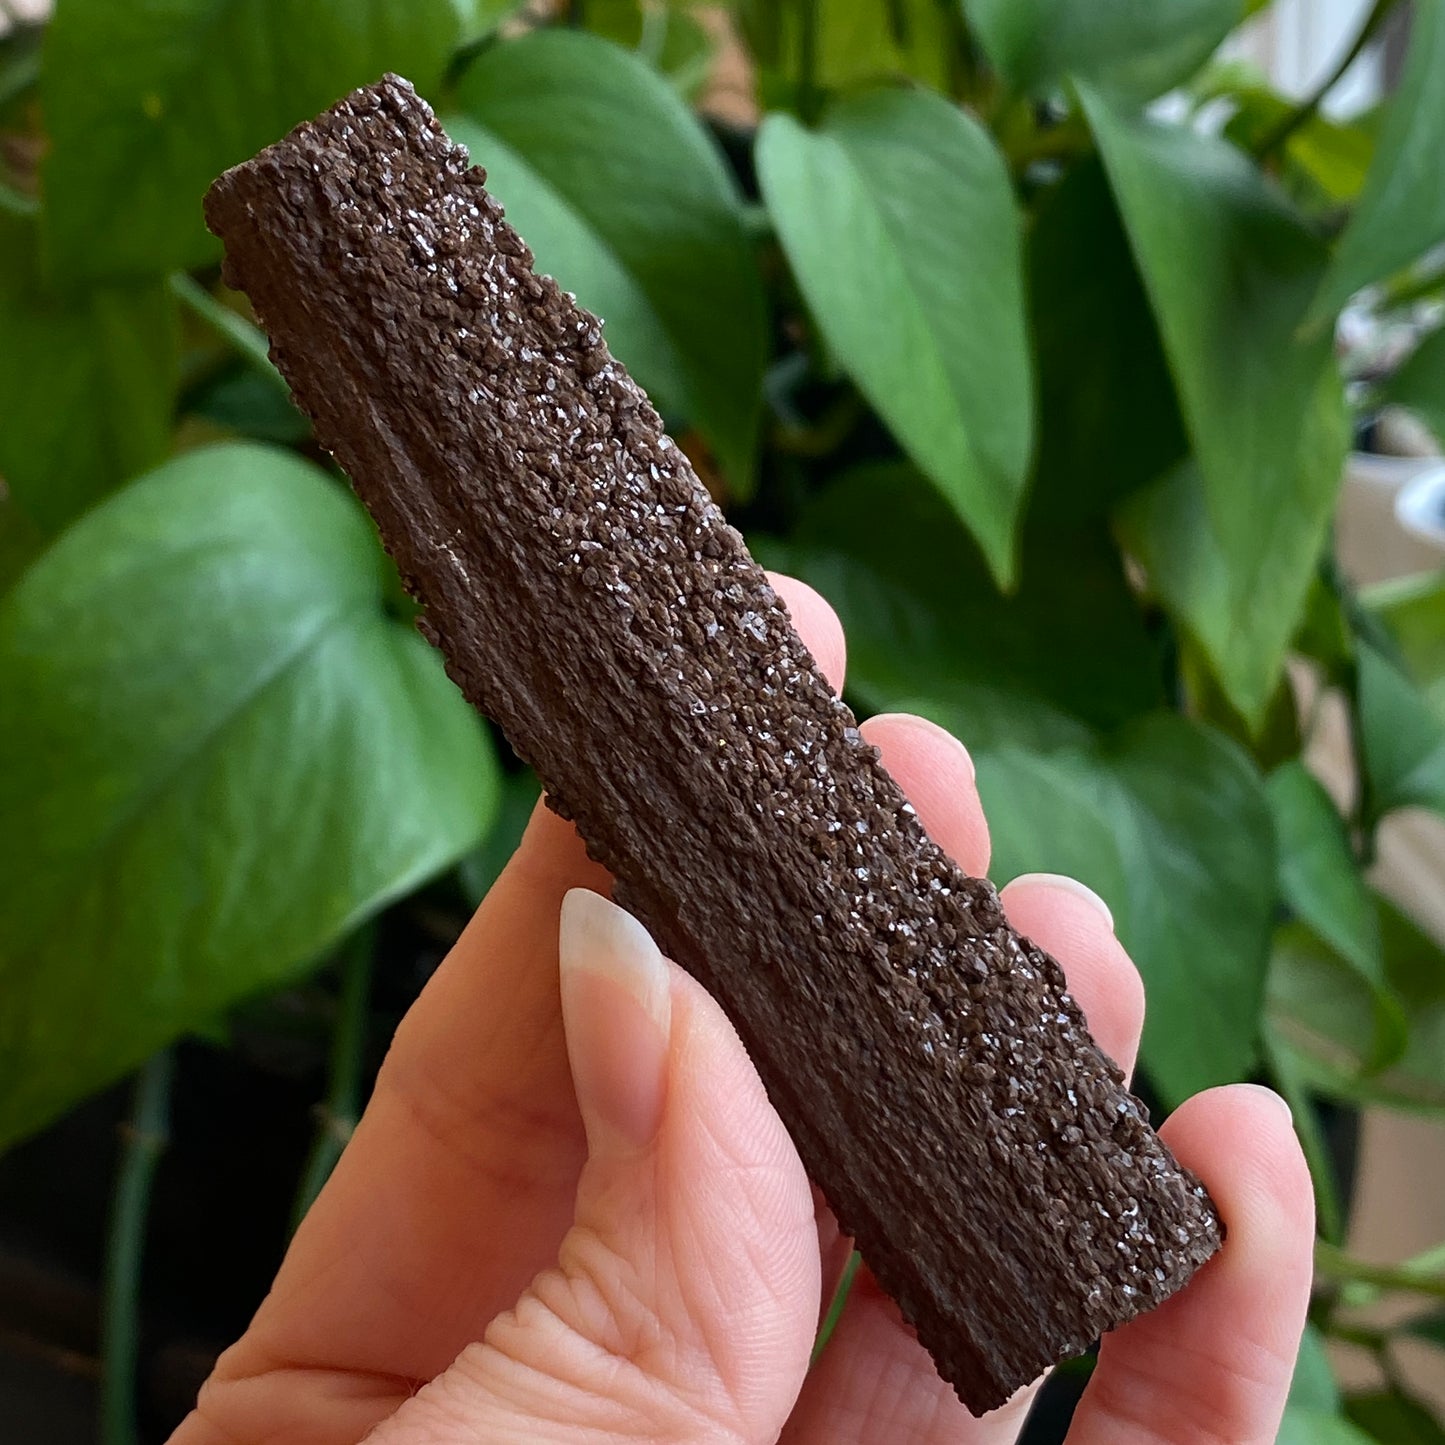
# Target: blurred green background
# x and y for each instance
(1049, 385)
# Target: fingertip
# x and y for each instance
(816, 623)
(1071, 922)
(1240, 1139)
(936, 772)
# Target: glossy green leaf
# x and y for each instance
(1419, 385)
(1401, 212)
(1322, 1011)
(1318, 875)
(1109, 421)
(1395, 1419)
(1323, 163)
(1401, 736)
(1132, 817)
(1140, 50)
(1243, 609)
(231, 755)
(1230, 270)
(927, 627)
(1319, 1427)
(899, 221)
(1313, 1386)
(87, 383)
(624, 198)
(146, 102)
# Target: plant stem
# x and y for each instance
(1409, 1278)
(835, 1310)
(143, 1140)
(336, 1118)
(809, 99)
(1311, 1137)
(247, 340)
(1304, 112)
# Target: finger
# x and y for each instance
(458, 1184)
(684, 1299)
(816, 623)
(874, 1380)
(1070, 921)
(1214, 1362)
(936, 773)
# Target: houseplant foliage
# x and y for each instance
(1037, 387)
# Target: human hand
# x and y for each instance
(569, 1213)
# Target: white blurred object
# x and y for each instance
(19, 12)
(1297, 43)
(1420, 507)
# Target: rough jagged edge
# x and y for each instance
(983, 1389)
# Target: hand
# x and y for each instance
(570, 1214)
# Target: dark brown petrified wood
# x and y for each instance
(938, 1080)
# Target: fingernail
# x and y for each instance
(617, 1011)
(925, 725)
(1278, 1100)
(1064, 884)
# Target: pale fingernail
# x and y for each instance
(924, 725)
(1277, 1099)
(1064, 884)
(617, 1011)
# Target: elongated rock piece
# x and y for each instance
(938, 1080)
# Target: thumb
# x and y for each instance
(684, 1300)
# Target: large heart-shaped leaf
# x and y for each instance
(1401, 212)
(899, 221)
(87, 383)
(625, 199)
(1137, 49)
(1170, 823)
(1230, 269)
(147, 101)
(221, 754)
(926, 626)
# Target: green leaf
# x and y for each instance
(1318, 875)
(231, 754)
(624, 198)
(482, 866)
(1242, 610)
(1109, 422)
(927, 627)
(147, 102)
(1413, 611)
(1430, 1328)
(666, 36)
(87, 383)
(1318, 1427)
(1419, 385)
(1324, 162)
(1401, 212)
(1395, 1418)
(1321, 1011)
(1138, 50)
(899, 221)
(1402, 739)
(1171, 825)
(857, 41)
(1230, 269)
(1322, 884)
(1313, 1385)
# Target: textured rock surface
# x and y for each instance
(938, 1080)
